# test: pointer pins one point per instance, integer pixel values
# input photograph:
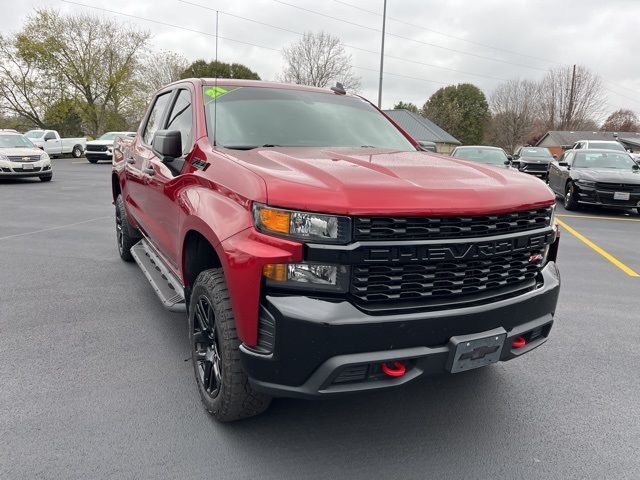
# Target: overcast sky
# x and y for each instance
(528, 37)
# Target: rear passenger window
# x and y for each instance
(155, 117)
(181, 119)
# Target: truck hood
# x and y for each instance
(100, 142)
(606, 175)
(374, 181)
(20, 152)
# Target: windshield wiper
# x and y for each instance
(249, 147)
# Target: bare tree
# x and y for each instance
(161, 68)
(319, 59)
(514, 106)
(570, 98)
(97, 58)
(621, 121)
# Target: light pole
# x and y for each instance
(384, 22)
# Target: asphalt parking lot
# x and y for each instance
(96, 381)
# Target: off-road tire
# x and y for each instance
(77, 151)
(126, 236)
(570, 202)
(235, 399)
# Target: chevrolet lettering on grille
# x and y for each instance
(454, 251)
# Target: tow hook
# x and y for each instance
(518, 342)
(398, 369)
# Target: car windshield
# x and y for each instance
(613, 160)
(536, 152)
(110, 136)
(15, 141)
(250, 117)
(34, 133)
(491, 156)
(607, 146)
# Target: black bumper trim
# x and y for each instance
(318, 338)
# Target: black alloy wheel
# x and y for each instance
(206, 351)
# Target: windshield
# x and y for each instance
(491, 156)
(607, 146)
(535, 152)
(613, 160)
(110, 136)
(15, 141)
(34, 133)
(250, 117)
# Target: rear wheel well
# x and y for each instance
(198, 255)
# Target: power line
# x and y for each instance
(408, 38)
(394, 57)
(395, 19)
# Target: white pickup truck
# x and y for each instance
(50, 142)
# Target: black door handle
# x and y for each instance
(149, 171)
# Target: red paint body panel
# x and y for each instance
(216, 200)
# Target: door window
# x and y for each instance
(49, 136)
(181, 119)
(154, 123)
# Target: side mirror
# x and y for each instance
(555, 156)
(167, 145)
(635, 167)
(563, 164)
(507, 162)
(510, 157)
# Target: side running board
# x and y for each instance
(164, 282)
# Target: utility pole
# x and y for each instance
(571, 102)
(384, 22)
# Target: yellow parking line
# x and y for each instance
(601, 251)
(622, 219)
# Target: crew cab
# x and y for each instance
(51, 142)
(318, 251)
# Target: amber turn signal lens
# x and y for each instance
(275, 271)
(275, 220)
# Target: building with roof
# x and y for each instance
(424, 130)
(559, 140)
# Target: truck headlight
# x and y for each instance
(332, 278)
(315, 227)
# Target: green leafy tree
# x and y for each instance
(406, 106)
(215, 69)
(462, 110)
(65, 116)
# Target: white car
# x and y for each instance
(20, 158)
(601, 144)
(102, 148)
(50, 142)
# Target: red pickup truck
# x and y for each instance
(318, 251)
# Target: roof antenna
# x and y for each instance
(215, 84)
(339, 89)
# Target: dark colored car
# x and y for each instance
(318, 252)
(533, 160)
(596, 177)
(479, 153)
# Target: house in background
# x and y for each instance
(558, 140)
(423, 130)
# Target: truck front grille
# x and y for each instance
(96, 148)
(445, 282)
(427, 228)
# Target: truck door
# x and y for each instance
(164, 180)
(136, 161)
(52, 144)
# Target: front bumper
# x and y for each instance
(605, 198)
(41, 168)
(322, 347)
(98, 155)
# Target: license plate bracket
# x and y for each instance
(27, 166)
(476, 350)
(621, 196)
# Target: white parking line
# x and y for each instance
(53, 228)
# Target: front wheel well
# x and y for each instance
(198, 255)
(115, 186)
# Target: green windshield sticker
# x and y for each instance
(215, 92)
